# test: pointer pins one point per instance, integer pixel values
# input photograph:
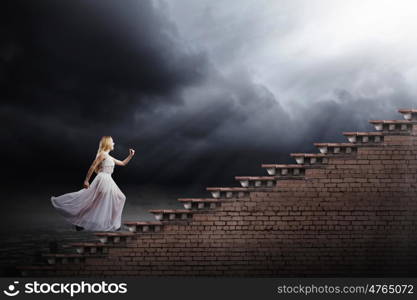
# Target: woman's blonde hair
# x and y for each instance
(104, 145)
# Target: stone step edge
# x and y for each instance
(86, 244)
(335, 145)
(285, 166)
(116, 234)
(407, 110)
(238, 189)
(363, 133)
(393, 121)
(309, 154)
(267, 178)
(382, 133)
(146, 223)
(326, 155)
(75, 255)
(260, 178)
(171, 211)
(35, 267)
(408, 113)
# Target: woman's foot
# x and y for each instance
(78, 228)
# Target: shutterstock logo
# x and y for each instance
(67, 288)
(11, 289)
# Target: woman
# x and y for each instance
(97, 207)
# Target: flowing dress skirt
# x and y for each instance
(97, 208)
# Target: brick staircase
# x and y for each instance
(349, 210)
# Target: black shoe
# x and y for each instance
(78, 228)
(118, 229)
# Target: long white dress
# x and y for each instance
(98, 207)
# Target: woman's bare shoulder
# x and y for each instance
(101, 155)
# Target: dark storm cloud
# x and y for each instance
(202, 90)
(71, 71)
(91, 51)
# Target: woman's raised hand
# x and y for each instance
(131, 152)
(86, 184)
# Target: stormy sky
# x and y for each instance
(202, 90)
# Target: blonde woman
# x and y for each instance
(97, 207)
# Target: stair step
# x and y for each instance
(172, 214)
(86, 248)
(268, 181)
(200, 203)
(234, 192)
(284, 169)
(257, 181)
(62, 255)
(114, 237)
(409, 114)
(66, 258)
(26, 270)
(393, 125)
(144, 226)
(310, 158)
(336, 148)
(364, 137)
(35, 266)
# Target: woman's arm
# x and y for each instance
(126, 160)
(95, 163)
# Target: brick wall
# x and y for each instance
(354, 216)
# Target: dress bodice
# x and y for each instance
(106, 165)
